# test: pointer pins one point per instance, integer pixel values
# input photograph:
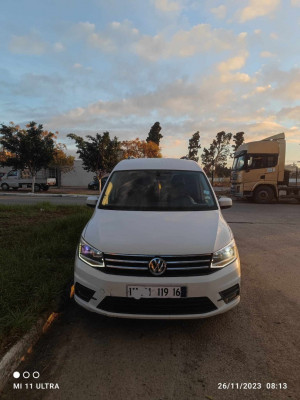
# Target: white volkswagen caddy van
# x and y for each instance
(157, 245)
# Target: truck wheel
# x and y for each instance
(4, 186)
(37, 188)
(263, 195)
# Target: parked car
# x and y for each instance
(157, 245)
(94, 184)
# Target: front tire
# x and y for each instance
(5, 186)
(37, 188)
(263, 194)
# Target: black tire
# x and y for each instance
(37, 188)
(5, 186)
(45, 187)
(263, 194)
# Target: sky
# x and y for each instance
(121, 65)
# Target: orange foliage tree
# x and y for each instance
(140, 149)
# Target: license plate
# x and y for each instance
(157, 292)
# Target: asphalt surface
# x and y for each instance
(92, 357)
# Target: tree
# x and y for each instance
(154, 134)
(140, 149)
(61, 162)
(3, 156)
(99, 154)
(31, 148)
(222, 171)
(217, 153)
(194, 146)
(238, 139)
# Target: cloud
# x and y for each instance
(257, 8)
(80, 68)
(124, 27)
(261, 89)
(58, 47)
(295, 3)
(167, 6)
(39, 85)
(113, 37)
(30, 44)
(84, 28)
(233, 64)
(290, 113)
(100, 41)
(266, 54)
(287, 84)
(186, 43)
(219, 12)
(258, 89)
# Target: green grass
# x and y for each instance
(37, 250)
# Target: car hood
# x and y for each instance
(157, 233)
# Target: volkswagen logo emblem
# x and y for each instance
(157, 266)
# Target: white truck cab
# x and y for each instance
(157, 245)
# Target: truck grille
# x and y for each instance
(124, 305)
(137, 265)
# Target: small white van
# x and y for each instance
(157, 245)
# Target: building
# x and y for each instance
(77, 177)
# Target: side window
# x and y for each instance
(257, 161)
(272, 160)
(12, 173)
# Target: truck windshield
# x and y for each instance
(158, 190)
(239, 162)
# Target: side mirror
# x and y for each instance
(92, 201)
(225, 202)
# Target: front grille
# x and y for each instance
(125, 305)
(137, 265)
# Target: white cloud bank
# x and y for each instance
(258, 8)
(30, 44)
(186, 43)
(219, 12)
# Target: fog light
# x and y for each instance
(230, 294)
(83, 292)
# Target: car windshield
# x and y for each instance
(158, 190)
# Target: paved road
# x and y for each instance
(91, 357)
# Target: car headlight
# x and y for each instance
(90, 255)
(225, 256)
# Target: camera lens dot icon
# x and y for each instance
(16, 374)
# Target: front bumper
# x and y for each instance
(111, 287)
